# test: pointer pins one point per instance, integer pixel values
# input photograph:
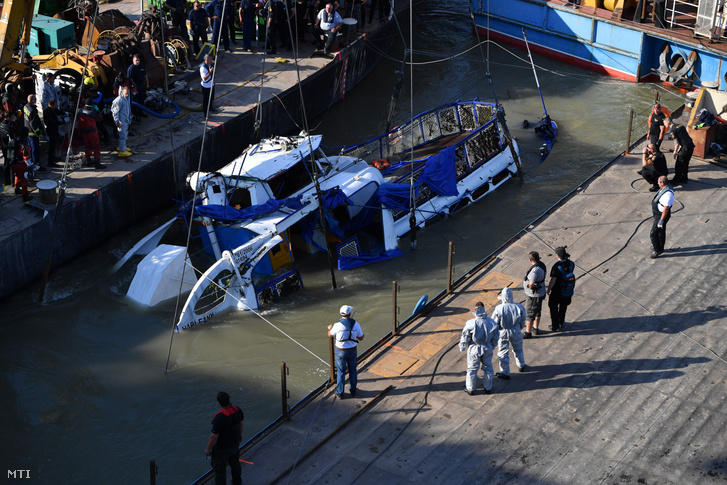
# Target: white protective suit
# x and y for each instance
(479, 337)
(511, 318)
(121, 111)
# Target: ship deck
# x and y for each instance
(680, 22)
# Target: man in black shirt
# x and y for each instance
(656, 126)
(198, 23)
(137, 74)
(683, 149)
(52, 123)
(559, 290)
(653, 165)
(224, 442)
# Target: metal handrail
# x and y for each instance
(673, 10)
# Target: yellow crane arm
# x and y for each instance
(15, 22)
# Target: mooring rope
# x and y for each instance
(247, 308)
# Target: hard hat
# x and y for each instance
(88, 81)
(346, 310)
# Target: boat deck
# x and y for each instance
(681, 18)
(439, 145)
(631, 392)
(422, 153)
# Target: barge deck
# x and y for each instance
(631, 392)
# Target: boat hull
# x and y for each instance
(619, 49)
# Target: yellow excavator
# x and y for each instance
(15, 26)
(15, 23)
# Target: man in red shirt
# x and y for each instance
(87, 119)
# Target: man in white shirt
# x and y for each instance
(208, 87)
(328, 23)
(661, 208)
(347, 334)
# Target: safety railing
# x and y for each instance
(680, 13)
(638, 124)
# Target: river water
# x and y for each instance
(85, 396)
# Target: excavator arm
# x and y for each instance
(15, 23)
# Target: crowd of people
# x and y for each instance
(27, 123)
(279, 22)
(504, 330)
(655, 171)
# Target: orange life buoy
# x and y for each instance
(381, 164)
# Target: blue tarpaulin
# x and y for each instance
(230, 214)
(333, 198)
(395, 196)
(440, 173)
(356, 261)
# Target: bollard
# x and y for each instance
(394, 308)
(628, 135)
(284, 371)
(450, 268)
(153, 472)
(333, 360)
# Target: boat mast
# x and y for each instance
(410, 54)
(537, 83)
(500, 113)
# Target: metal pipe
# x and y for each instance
(153, 472)
(449, 267)
(285, 394)
(628, 135)
(393, 306)
(333, 359)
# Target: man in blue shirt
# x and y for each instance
(247, 21)
(220, 11)
(198, 23)
(137, 74)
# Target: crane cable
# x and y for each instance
(63, 181)
(218, 33)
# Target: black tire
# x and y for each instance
(69, 79)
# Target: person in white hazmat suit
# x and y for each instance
(510, 317)
(479, 337)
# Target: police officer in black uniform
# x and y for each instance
(683, 149)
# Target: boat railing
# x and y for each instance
(457, 117)
(710, 18)
(680, 13)
(279, 287)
